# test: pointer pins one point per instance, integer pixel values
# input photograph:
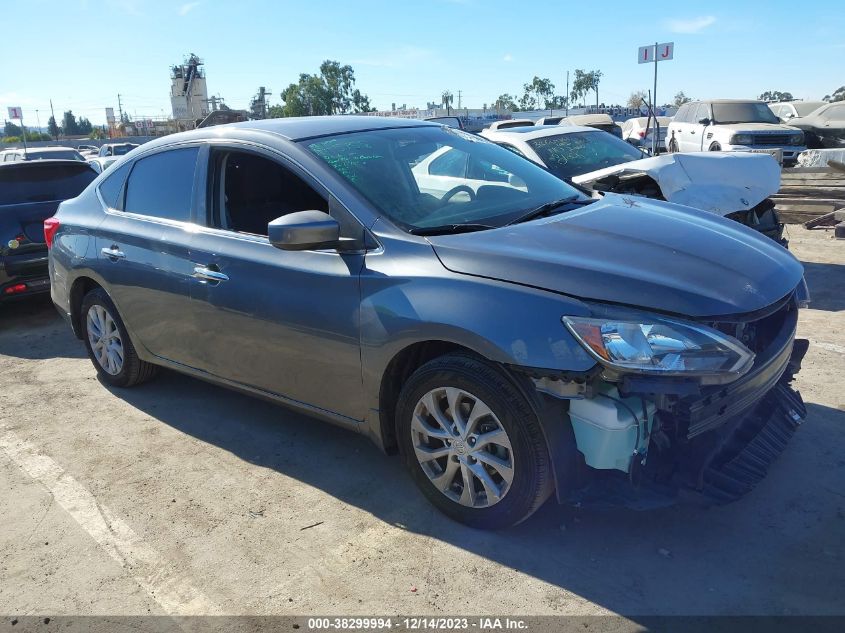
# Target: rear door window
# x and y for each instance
(162, 185)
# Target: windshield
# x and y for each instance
(43, 182)
(54, 155)
(433, 176)
(803, 108)
(576, 153)
(749, 112)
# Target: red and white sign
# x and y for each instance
(664, 52)
(15, 113)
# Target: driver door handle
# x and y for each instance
(207, 274)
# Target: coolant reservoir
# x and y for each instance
(606, 429)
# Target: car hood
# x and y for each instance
(775, 128)
(633, 251)
(719, 182)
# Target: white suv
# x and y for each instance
(733, 125)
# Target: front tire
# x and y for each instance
(715, 147)
(673, 146)
(472, 442)
(108, 344)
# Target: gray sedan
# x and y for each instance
(510, 336)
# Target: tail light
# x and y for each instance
(13, 290)
(51, 225)
(642, 133)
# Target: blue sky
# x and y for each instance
(81, 53)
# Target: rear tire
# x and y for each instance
(715, 147)
(108, 344)
(489, 466)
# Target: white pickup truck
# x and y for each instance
(724, 125)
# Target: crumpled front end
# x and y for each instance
(645, 440)
(733, 185)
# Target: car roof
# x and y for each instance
(728, 101)
(537, 131)
(295, 128)
(299, 128)
(33, 164)
(51, 148)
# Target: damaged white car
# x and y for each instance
(733, 185)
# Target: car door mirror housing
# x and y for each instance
(704, 121)
(304, 230)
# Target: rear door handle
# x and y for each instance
(206, 274)
(113, 252)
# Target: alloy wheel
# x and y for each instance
(104, 338)
(462, 447)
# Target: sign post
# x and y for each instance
(17, 113)
(657, 53)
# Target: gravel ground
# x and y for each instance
(179, 497)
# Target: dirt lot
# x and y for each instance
(179, 497)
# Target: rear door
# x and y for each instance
(143, 249)
(285, 322)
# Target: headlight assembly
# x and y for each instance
(797, 139)
(742, 139)
(654, 345)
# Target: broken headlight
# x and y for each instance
(666, 347)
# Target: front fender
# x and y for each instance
(412, 298)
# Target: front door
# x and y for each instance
(286, 322)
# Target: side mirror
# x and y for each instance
(303, 231)
(704, 121)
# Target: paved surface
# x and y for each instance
(180, 497)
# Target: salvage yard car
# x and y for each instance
(40, 153)
(823, 128)
(639, 131)
(733, 125)
(30, 192)
(511, 336)
(736, 186)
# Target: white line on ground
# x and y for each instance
(168, 586)
(830, 347)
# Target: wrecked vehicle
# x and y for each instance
(511, 336)
(603, 122)
(736, 186)
(824, 128)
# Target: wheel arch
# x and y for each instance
(81, 286)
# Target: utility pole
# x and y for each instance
(567, 93)
(120, 107)
(53, 115)
(38, 118)
(459, 99)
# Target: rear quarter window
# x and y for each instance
(111, 189)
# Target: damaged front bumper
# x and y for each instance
(692, 443)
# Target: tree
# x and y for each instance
(446, 99)
(584, 82)
(775, 95)
(97, 133)
(69, 125)
(330, 92)
(838, 95)
(506, 102)
(53, 128)
(637, 98)
(559, 102)
(10, 129)
(681, 99)
(539, 93)
(361, 102)
(84, 126)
